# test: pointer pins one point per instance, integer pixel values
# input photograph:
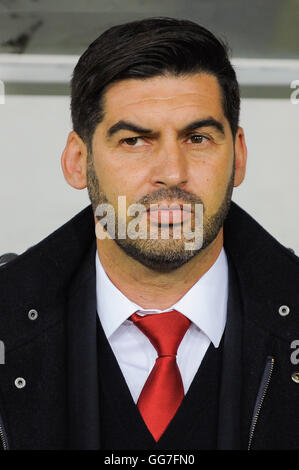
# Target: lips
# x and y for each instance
(163, 214)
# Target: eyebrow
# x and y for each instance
(129, 126)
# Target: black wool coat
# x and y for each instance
(34, 405)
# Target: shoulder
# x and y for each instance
(6, 258)
(249, 241)
(39, 278)
(267, 271)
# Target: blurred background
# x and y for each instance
(40, 43)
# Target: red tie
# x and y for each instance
(163, 391)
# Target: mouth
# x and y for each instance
(166, 215)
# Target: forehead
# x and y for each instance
(199, 92)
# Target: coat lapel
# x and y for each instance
(231, 374)
(82, 357)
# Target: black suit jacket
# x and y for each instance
(43, 413)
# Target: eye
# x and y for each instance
(198, 138)
(132, 141)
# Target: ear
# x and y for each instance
(74, 161)
(240, 157)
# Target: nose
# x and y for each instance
(170, 166)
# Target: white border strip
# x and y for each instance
(35, 68)
(266, 71)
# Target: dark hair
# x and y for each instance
(144, 49)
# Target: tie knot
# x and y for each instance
(164, 330)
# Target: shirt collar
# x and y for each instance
(205, 303)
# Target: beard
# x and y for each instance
(162, 255)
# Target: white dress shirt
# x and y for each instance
(205, 304)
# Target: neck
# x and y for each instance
(149, 288)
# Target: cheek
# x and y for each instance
(212, 184)
(117, 179)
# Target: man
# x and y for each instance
(117, 341)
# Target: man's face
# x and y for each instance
(149, 149)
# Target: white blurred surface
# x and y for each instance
(35, 199)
